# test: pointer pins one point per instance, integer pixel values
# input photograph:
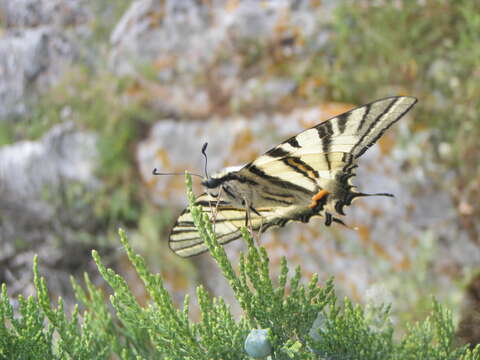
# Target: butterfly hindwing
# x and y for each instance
(227, 221)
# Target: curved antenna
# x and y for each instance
(204, 152)
(155, 172)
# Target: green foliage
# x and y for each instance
(304, 321)
(23, 335)
(6, 133)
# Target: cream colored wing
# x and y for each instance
(333, 145)
(185, 240)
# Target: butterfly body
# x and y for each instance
(308, 175)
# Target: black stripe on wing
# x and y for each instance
(274, 180)
(352, 132)
(379, 118)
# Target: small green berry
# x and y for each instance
(257, 344)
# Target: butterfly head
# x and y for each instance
(217, 183)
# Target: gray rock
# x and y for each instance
(22, 58)
(215, 47)
(30, 61)
(35, 217)
(33, 13)
(32, 170)
(40, 41)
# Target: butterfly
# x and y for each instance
(308, 175)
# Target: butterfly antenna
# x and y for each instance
(376, 194)
(156, 172)
(204, 152)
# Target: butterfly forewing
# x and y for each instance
(352, 132)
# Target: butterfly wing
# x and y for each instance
(286, 182)
(350, 133)
(185, 240)
(323, 157)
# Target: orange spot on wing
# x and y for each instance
(317, 197)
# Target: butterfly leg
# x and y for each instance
(257, 234)
(255, 210)
(328, 219)
(248, 218)
(214, 210)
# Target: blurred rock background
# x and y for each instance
(94, 95)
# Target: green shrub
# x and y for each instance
(303, 321)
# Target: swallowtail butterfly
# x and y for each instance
(307, 175)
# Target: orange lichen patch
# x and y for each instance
(404, 264)
(334, 108)
(364, 234)
(309, 85)
(135, 89)
(386, 143)
(242, 148)
(377, 248)
(302, 239)
(155, 91)
(418, 126)
(164, 62)
(381, 252)
(177, 283)
(340, 277)
(156, 17)
(270, 245)
(286, 36)
(314, 232)
(410, 69)
(284, 246)
(283, 20)
(296, 259)
(325, 111)
(152, 182)
(328, 255)
(174, 184)
(232, 5)
(317, 197)
(162, 155)
(375, 212)
(307, 274)
(354, 293)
